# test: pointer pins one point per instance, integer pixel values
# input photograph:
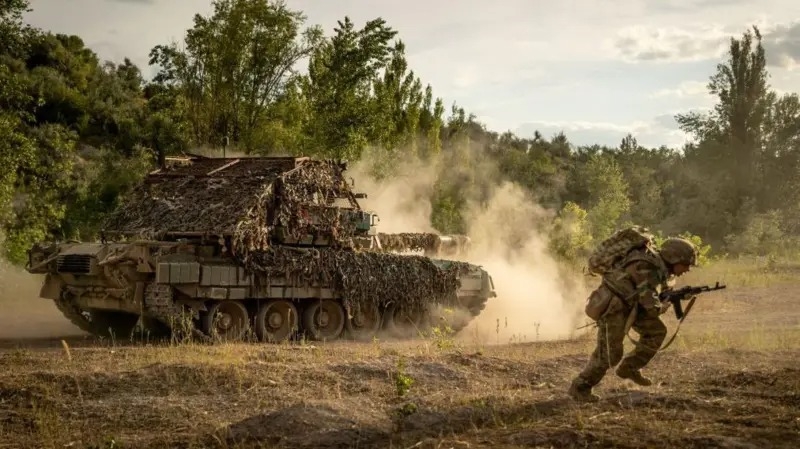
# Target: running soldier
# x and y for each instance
(631, 283)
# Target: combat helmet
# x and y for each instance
(677, 250)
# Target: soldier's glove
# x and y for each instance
(651, 307)
(654, 312)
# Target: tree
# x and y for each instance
(76, 133)
(431, 122)
(729, 151)
(605, 193)
(236, 63)
(731, 135)
(16, 150)
(398, 103)
(115, 107)
(341, 75)
(570, 237)
(13, 33)
(782, 153)
(640, 168)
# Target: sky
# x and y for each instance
(594, 71)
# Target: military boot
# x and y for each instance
(624, 371)
(582, 392)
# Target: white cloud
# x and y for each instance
(671, 44)
(782, 45)
(686, 89)
(692, 6)
(688, 43)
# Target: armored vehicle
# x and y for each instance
(265, 247)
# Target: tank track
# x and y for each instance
(158, 301)
(474, 308)
(477, 305)
(74, 314)
(100, 322)
(160, 305)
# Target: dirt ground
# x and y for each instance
(730, 380)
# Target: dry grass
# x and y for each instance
(747, 272)
(731, 379)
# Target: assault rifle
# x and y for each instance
(675, 296)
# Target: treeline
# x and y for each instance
(76, 132)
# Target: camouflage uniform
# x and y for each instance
(635, 283)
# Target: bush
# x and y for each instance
(570, 236)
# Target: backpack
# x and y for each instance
(615, 248)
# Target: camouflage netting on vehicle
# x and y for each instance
(247, 199)
(299, 202)
(363, 277)
(209, 196)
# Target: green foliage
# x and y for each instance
(446, 213)
(13, 33)
(236, 62)
(442, 335)
(570, 237)
(402, 381)
(15, 151)
(763, 235)
(105, 176)
(338, 88)
(60, 107)
(77, 133)
(42, 188)
(729, 151)
(604, 190)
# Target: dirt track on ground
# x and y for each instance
(731, 380)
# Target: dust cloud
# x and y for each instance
(25, 314)
(537, 299)
(401, 203)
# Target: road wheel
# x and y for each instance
(402, 323)
(276, 320)
(365, 322)
(324, 319)
(227, 320)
